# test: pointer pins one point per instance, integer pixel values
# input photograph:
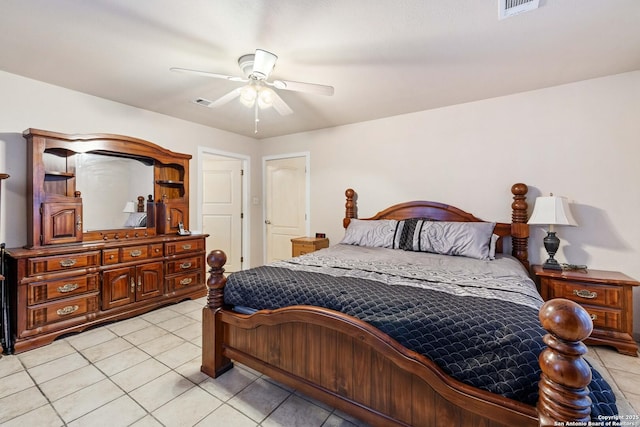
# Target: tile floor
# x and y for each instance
(145, 371)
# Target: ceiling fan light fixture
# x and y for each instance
(248, 95)
(265, 97)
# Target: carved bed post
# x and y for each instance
(519, 226)
(565, 374)
(214, 363)
(350, 207)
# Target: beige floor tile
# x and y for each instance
(190, 332)
(614, 360)
(297, 411)
(14, 383)
(9, 365)
(189, 306)
(139, 375)
(38, 356)
(195, 315)
(259, 399)
(177, 323)
(20, 403)
(226, 386)
(76, 380)
(156, 393)
(634, 401)
(339, 418)
(128, 326)
(179, 355)
(191, 370)
(226, 416)
(44, 416)
(627, 382)
(119, 362)
(86, 400)
(57, 367)
(149, 421)
(90, 338)
(122, 411)
(160, 315)
(161, 344)
(146, 334)
(106, 349)
(187, 409)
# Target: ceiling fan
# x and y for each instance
(258, 93)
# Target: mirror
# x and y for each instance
(107, 183)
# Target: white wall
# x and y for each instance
(27, 103)
(579, 140)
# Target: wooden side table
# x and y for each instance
(305, 245)
(606, 295)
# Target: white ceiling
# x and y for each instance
(384, 57)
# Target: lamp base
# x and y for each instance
(551, 264)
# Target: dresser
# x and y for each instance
(606, 295)
(87, 260)
(68, 289)
(305, 245)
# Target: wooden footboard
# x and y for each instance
(354, 367)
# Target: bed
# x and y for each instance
(361, 328)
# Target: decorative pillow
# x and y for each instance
(470, 239)
(492, 246)
(373, 233)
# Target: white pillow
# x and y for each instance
(373, 233)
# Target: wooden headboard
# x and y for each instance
(518, 229)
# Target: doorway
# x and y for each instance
(222, 203)
(286, 190)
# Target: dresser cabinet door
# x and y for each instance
(149, 283)
(118, 287)
(61, 222)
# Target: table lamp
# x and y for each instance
(551, 210)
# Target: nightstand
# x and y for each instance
(305, 245)
(606, 295)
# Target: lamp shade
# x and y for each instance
(552, 210)
(129, 207)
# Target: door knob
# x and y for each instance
(266, 221)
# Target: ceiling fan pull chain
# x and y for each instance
(255, 128)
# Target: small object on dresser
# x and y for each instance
(305, 245)
(606, 295)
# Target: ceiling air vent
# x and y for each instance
(203, 102)
(508, 8)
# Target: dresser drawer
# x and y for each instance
(184, 246)
(110, 256)
(185, 280)
(136, 253)
(185, 264)
(41, 292)
(588, 293)
(44, 314)
(42, 265)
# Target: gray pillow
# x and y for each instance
(373, 233)
(470, 239)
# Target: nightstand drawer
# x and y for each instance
(605, 319)
(588, 293)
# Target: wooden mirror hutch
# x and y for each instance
(68, 278)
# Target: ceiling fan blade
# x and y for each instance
(208, 74)
(263, 63)
(220, 101)
(280, 106)
(304, 87)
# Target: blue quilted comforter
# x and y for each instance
(478, 320)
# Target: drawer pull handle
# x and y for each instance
(185, 265)
(70, 262)
(186, 281)
(67, 310)
(139, 284)
(594, 317)
(135, 253)
(584, 293)
(186, 247)
(68, 287)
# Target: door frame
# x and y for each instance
(307, 208)
(246, 191)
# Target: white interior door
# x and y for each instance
(285, 205)
(222, 207)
